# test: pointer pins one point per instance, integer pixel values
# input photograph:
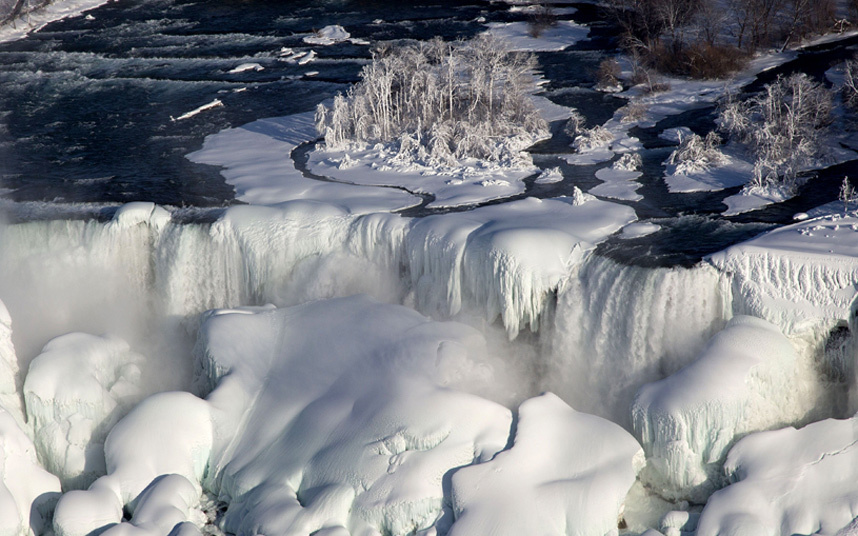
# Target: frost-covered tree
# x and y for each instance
(782, 126)
(696, 153)
(440, 101)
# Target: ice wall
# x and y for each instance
(75, 391)
(617, 327)
(749, 378)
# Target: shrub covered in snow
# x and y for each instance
(782, 126)
(593, 138)
(696, 154)
(628, 162)
(575, 124)
(440, 101)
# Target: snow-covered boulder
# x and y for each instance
(566, 473)
(166, 434)
(141, 212)
(749, 378)
(342, 415)
(27, 492)
(75, 391)
(789, 481)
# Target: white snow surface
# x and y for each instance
(469, 183)
(75, 391)
(258, 163)
(566, 473)
(687, 421)
(800, 277)
(166, 434)
(36, 20)
(789, 481)
(559, 36)
(343, 415)
(618, 184)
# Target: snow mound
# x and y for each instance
(329, 35)
(342, 414)
(141, 212)
(637, 230)
(75, 391)
(789, 481)
(687, 421)
(800, 277)
(27, 492)
(550, 176)
(566, 473)
(166, 434)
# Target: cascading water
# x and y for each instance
(618, 327)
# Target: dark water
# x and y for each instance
(87, 103)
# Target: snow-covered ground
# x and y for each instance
(521, 36)
(35, 20)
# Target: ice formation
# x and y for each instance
(566, 473)
(75, 391)
(343, 414)
(328, 35)
(687, 421)
(788, 481)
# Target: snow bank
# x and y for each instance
(687, 421)
(341, 415)
(618, 184)
(788, 481)
(27, 492)
(566, 473)
(75, 391)
(558, 36)
(801, 277)
(328, 35)
(258, 163)
(36, 20)
(166, 434)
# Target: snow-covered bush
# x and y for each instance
(593, 138)
(782, 126)
(628, 162)
(633, 111)
(439, 100)
(696, 154)
(575, 124)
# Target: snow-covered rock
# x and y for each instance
(342, 414)
(166, 434)
(566, 473)
(689, 420)
(788, 481)
(75, 391)
(140, 212)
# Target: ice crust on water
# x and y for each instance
(75, 391)
(788, 481)
(687, 421)
(346, 414)
(566, 473)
